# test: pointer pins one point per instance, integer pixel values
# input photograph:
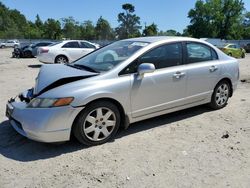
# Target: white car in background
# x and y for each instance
(10, 43)
(65, 51)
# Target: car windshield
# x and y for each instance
(108, 57)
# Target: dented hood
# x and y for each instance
(55, 75)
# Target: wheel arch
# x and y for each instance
(63, 55)
(230, 84)
(124, 119)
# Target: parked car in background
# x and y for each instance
(65, 51)
(10, 43)
(234, 50)
(94, 96)
(18, 52)
(247, 48)
(29, 50)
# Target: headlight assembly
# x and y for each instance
(48, 103)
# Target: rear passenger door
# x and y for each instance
(203, 68)
(86, 48)
(72, 50)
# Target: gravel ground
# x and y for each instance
(196, 147)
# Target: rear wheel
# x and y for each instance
(2, 46)
(61, 59)
(97, 123)
(220, 95)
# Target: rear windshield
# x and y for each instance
(53, 44)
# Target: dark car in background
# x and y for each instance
(247, 48)
(29, 50)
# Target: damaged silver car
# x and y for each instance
(122, 83)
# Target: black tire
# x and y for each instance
(2, 46)
(81, 123)
(27, 54)
(230, 54)
(61, 59)
(220, 96)
(243, 55)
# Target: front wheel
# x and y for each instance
(97, 123)
(220, 95)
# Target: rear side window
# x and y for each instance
(86, 45)
(71, 45)
(197, 52)
(232, 46)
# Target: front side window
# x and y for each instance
(167, 55)
(71, 45)
(197, 52)
(232, 46)
(164, 56)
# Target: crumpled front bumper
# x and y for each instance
(42, 124)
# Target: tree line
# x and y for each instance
(225, 19)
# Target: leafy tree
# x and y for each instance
(246, 26)
(12, 23)
(38, 22)
(103, 30)
(201, 21)
(87, 30)
(215, 18)
(129, 23)
(170, 32)
(71, 28)
(186, 33)
(32, 31)
(52, 29)
(150, 30)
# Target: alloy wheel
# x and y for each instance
(222, 94)
(99, 124)
(61, 60)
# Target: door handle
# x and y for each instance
(178, 74)
(213, 68)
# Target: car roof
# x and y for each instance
(42, 42)
(161, 38)
(75, 41)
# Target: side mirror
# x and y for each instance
(145, 68)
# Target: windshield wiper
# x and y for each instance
(78, 66)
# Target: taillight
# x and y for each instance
(44, 50)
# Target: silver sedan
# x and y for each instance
(122, 83)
